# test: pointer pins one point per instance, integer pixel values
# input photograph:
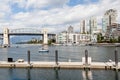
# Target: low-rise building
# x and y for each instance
(71, 37)
(75, 38)
(62, 37)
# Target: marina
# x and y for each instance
(86, 62)
(60, 63)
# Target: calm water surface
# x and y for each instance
(75, 53)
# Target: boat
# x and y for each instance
(43, 50)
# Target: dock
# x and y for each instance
(61, 65)
(86, 63)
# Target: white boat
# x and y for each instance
(43, 50)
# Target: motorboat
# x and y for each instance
(43, 50)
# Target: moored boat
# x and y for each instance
(43, 50)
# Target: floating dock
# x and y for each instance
(86, 63)
(62, 65)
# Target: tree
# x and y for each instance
(113, 40)
(99, 38)
(51, 41)
(119, 39)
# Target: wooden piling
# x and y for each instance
(56, 57)
(28, 54)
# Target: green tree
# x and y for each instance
(113, 40)
(51, 41)
(99, 38)
(119, 39)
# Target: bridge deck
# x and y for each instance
(49, 34)
(67, 65)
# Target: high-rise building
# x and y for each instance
(109, 18)
(104, 27)
(82, 27)
(93, 25)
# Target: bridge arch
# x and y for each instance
(25, 30)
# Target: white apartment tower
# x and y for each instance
(82, 27)
(93, 25)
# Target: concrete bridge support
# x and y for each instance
(45, 36)
(6, 41)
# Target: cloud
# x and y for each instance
(5, 9)
(54, 14)
(21, 15)
(20, 3)
(36, 4)
(2, 14)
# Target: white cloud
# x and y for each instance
(2, 14)
(60, 15)
(21, 15)
(39, 3)
(20, 3)
(4, 9)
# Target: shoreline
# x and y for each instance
(105, 44)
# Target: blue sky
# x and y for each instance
(16, 8)
(83, 2)
(53, 14)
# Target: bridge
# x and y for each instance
(24, 31)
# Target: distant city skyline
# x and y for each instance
(53, 14)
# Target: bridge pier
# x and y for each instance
(45, 36)
(6, 41)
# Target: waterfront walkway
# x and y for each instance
(66, 65)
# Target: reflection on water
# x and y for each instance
(62, 74)
(87, 75)
(28, 74)
(45, 47)
(116, 75)
(56, 74)
(11, 71)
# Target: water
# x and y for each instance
(51, 74)
(75, 53)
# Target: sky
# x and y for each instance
(55, 15)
